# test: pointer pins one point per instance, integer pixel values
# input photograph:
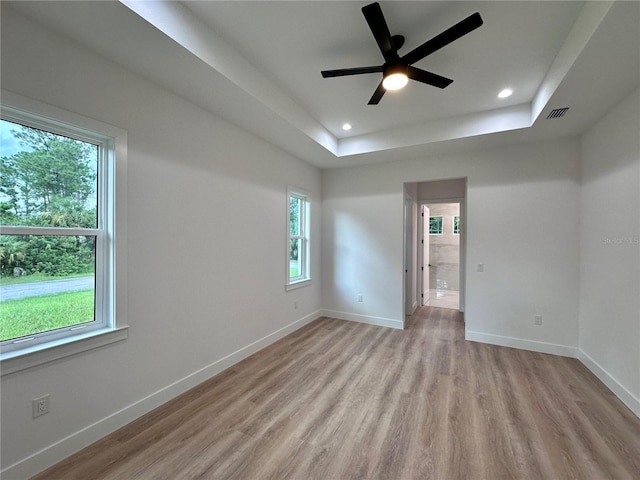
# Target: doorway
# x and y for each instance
(441, 243)
(419, 285)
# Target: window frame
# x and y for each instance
(304, 253)
(453, 227)
(441, 224)
(110, 273)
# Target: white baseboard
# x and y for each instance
(605, 377)
(356, 317)
(532, 345)
(616, 387)
(60, 450)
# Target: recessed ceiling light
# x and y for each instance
(346, 126)
(505, 93)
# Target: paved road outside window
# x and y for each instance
(22, 290)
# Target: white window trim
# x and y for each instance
(298, 282)
(441, 224)
(115, 288)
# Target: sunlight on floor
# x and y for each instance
(444, 298)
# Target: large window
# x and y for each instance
(298, 252)
(57, 232)
(435, 225)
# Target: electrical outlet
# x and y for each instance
(360, 298)
(295, 305)
(40, 406)
(537, 319)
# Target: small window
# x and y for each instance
(456, 224)
(435, 225)
(57, 241)
(298, 251)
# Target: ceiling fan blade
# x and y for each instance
(445, 38)
(378, 25)
(377, 95)
(427, 77)
(341, 72)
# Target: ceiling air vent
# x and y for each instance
(557, 112)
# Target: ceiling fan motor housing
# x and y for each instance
(395, 68)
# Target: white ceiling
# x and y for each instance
(257, 64)
(292, 42)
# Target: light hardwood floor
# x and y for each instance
(342, 400)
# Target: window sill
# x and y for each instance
(12, 362)
(297, 284)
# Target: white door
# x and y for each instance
(425, 254)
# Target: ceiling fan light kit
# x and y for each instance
(396, 71)
(395, 77)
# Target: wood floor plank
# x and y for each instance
(341, 400)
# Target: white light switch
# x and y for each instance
(481, 267)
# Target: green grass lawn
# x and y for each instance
(26, 316)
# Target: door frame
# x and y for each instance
(410, 284)
(462, 247)
(422, 224)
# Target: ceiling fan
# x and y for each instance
(396, 70)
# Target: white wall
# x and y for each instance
(362, 245)
(442, 190)
(522, 224)
(610, 250)
(206, 235)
